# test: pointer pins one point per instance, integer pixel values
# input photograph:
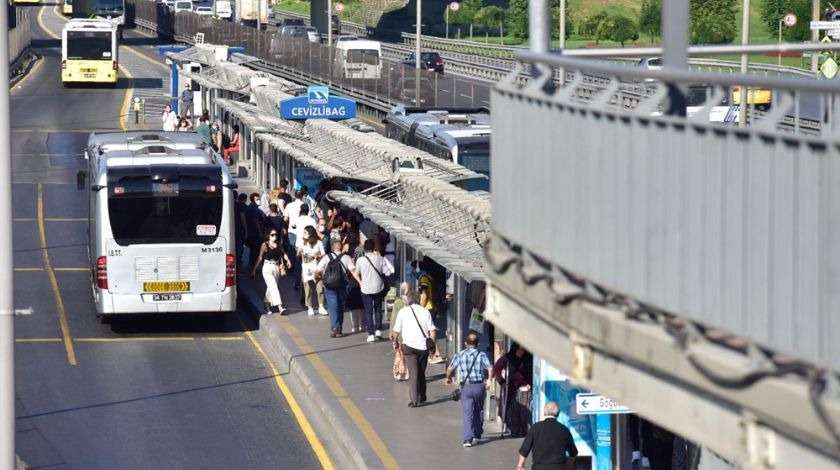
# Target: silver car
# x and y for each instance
(313, 34)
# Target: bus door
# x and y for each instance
(168, 244)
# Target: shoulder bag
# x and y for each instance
(386, 281)
(431, 345)
(456, 394)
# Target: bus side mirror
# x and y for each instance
(80, 180)
(96, 187)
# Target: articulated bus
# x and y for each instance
(160, 233)
(89, 52)
(460, 135)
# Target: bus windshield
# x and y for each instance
(188, 210)
(476, 157)
(108, 7)
(89, 45)
(363, 56)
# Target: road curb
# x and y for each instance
(342, 429)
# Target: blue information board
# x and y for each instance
(317, 104)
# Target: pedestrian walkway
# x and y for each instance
(352, 383)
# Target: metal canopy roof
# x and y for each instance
(442, 221)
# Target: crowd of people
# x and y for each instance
(339, 261)
(210, 131)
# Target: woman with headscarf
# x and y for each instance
(513, 372)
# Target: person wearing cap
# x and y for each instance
(550, 442)
(187, 101)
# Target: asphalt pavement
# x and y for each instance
(142, 392)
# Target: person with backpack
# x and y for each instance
(334, 271)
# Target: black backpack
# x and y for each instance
(334, 275)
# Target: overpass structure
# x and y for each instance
(683, 268)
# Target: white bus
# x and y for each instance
(89, 52)
(160, 234)
(360, 59)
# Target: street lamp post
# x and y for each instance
(417, 53)
(780, 40)
(745, 64)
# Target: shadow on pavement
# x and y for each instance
(174, 324)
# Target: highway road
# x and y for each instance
(140, 393)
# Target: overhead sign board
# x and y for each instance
(317, 104)
(593, 403)
(825, 25)
(790, 20)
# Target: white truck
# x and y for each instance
(223, 9)
(252, 12)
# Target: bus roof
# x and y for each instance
(89, 24)
(454, 117)
(157, 155)
(135, 140)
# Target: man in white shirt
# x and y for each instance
(292, 209)
(335, 295)
(370, 268)
(414, 324)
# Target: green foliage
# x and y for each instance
(650, 18)
(713, 21)
(555, 19)
(589, 26)
(467, 13)
(490, 16)
(517, 18)
(618, 28)
(774, 10)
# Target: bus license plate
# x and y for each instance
(90, 75)
(165, 297)
(166, 286)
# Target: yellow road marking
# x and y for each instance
(59, 304)
(69, 269)
(29, 75)
(126, 99)
(143, 56)
(337, 389)
(41, 23)
(37, 340)
(303, 421)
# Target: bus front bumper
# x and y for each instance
(118, 304)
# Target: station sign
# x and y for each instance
(825, 25)
(593, 403)
(317, 104)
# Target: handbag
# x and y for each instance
(386, 280)
(456, 394)
(431, 345)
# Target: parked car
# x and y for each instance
(405, 91)
(204, 11)
(314, 35)
(431, 60)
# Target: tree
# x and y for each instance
(650, 18)
(490, 17)
(713, 21)
(589, 27)
(517, 18)
(618, 28)
(774, 10)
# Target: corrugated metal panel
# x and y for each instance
(730, 228)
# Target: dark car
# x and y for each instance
(432, 60)
(291, 22)
(405, 91)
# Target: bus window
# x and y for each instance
(476, 157)
(363, 56)
(89, 45)
(143, 211)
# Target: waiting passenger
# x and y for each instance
(234, 144)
